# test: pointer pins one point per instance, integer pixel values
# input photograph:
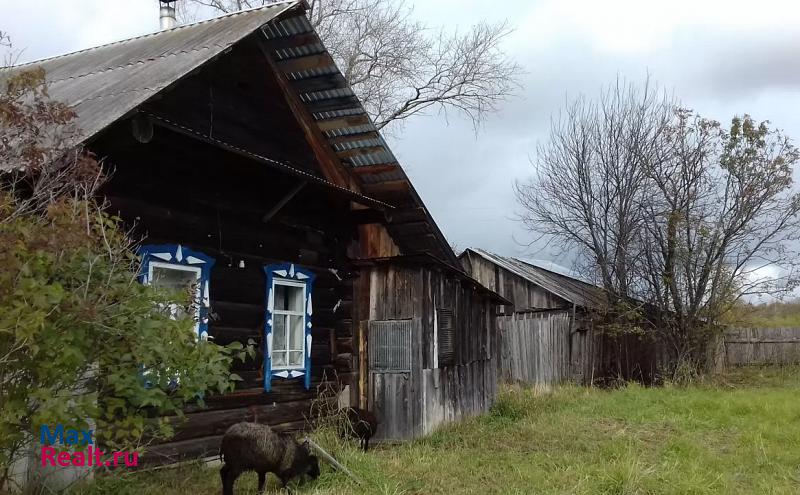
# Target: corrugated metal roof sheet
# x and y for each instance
(568, 288)
(104, 83)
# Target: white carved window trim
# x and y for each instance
(287, 313)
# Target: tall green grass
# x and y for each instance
(735, 434)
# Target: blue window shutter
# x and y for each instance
(175, 254)
(290, 273)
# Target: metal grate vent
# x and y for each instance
(390, 346)
(445, 330)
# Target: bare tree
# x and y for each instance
(398, 66)
(590, 182)
(671, 210)
(723, 210)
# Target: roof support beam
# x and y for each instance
(306, 63)
(283, 201)
(331, 166)
(341, 122)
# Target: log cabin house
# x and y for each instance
(249, 167)
(548, 334)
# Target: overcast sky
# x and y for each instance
(721, 58)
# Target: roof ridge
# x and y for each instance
(156, 33)
(533, 265)
(571, 277)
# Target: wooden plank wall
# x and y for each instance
(747, 346)
(409, 405)
(539, 349)
(456, 392)
(516, 289)
(543, 349)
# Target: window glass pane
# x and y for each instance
(279, 332)
(296, 358)
(278, 358)
(296, 333)
(288, 298)
(172, 279)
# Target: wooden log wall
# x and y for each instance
(413, 404)
(759, 346)
(171, 194)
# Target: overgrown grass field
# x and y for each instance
(731, 435)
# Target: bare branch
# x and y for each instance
(668, 207)
(399, 67)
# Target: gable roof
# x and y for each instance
(106, 83)
(344, 123)
(570, 289)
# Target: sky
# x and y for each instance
(720, 57)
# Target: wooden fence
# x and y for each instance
(745, 346)
(551, 347)
(545, 348)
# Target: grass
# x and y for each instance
(779, 314)
(736, 434)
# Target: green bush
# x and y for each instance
(76, 328)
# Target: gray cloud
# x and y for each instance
(721, 57)
(720, 71)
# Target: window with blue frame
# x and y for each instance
(287, 331)
(174, 267)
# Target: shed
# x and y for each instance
(549, 333)
(248, 165)
(450, 370)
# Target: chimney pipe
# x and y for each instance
(167, 14)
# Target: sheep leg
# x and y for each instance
(223, 474)
(366, 444)
(228, 476)
(262, 478)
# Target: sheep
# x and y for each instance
(361, 424)
(255, 447)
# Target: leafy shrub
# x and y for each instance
(76, 328)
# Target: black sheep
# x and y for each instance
(361, 424)
(255, 447)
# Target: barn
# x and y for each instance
(246, 163)
(549, 334)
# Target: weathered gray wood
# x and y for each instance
(746, 346)
(412, 404)
(331, 460)
(523, 294)
(535, 349)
